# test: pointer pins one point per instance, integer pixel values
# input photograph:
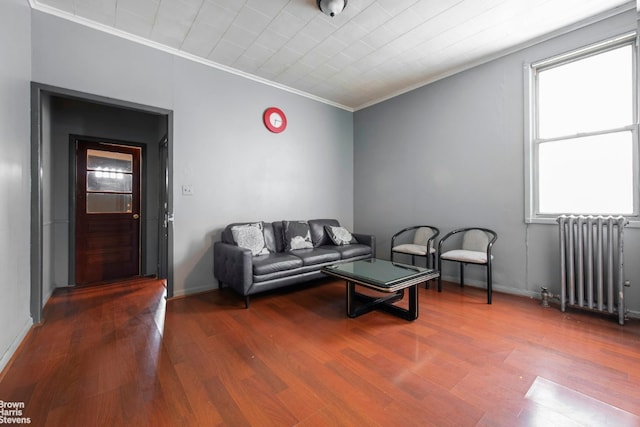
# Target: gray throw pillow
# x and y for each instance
(340, 236)
(250, 236)
(296, 235)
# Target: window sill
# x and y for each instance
(634, 222)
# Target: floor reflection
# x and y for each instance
(555, 404)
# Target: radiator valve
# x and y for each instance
(545, 295)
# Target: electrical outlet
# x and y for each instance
(187, 190)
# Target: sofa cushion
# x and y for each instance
(296, 235)
(275, 262)
(318, 235)
(340, 235)
(350, 251)
(269, 237)
(317, 256)
(278, 232)
(250, 236)
(284, 277)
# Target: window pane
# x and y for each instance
(109, 181)
(591, 94)
(592, 175)
(109, 161)
(109, 203)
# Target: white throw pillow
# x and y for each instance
(250, 236)
(340, 236)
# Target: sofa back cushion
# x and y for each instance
(269, 237)
(318, 234)
(278, 233)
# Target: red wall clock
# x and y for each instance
(274, 119)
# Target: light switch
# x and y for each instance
(187, 190)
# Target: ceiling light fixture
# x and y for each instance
(332, 7)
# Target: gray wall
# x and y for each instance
(239, 171)
(64, 117)
(451, 154)
(15, 173)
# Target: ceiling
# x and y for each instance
(373, 50)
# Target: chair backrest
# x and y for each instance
(422, 236)
(475, 240)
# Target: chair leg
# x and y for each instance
(246, 301)
(431, 260)
(489, 284)
(461, 274)
(439, 275)
(413, 260)
(426, 257)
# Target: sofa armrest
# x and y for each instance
(367, 239)
(233, 266)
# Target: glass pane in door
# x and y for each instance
(109, 181)
(109, 161)
(109, 203)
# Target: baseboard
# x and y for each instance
(11, 351)
(631, 314)
(498, 288)
(181, 293)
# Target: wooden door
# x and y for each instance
(107, 212)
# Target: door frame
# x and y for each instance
(38, 92)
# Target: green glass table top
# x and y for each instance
(377, 271)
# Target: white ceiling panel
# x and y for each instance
(135, 24)
(201, 39)
(143, 8)
(252, 20)
(225, 52)
(373, 50)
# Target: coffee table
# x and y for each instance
(383, 276)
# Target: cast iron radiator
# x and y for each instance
(591, 263)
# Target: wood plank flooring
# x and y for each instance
(121, 355)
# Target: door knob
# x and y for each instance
(136, 216)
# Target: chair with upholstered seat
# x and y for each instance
(475, 249)
(423, 244)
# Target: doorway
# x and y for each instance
(107, 211)
(58, 116)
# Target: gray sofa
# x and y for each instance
(284, 260)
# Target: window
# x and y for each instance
(583, 156)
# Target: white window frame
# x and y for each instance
(532, 142)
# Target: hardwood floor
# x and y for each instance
(121, 355)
